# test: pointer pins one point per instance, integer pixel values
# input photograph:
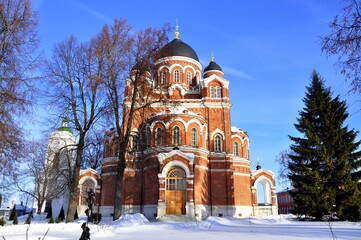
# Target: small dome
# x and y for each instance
(177, 48)
(213, 66)
(64, 127)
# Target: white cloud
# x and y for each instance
(236, 73)
(93, 12)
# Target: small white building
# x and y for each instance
(59, 156)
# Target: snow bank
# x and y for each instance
(130, 220)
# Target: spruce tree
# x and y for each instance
(15, 221)
(324, 157)
(28, 219)
(13, 213)
(51, 219)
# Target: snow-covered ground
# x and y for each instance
(136, 226)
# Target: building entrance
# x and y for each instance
(176, 191)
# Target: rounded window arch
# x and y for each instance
(158, 136)
(194, 137)
(176, 179)
(189, 78)
(176, 136)
(148, 136)
(176, 76)
(236, 149)
(218, 143)
(264, 191)
(163, 77)
(87, 186)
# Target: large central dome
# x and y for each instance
(178, 48)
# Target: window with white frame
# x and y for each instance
(194, 137)
(236, 149)
(163, 78)
(212, 91)
(218, 92)
(176, 76)
(176, 136)
(189, 78)
(217, 143)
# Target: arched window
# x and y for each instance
(176, 179)
(189, 78)
(163, 78)
(217, 144)
(176, 76)
(176, 136)
(148, 136)
(194, 138)
(218, 92)
(158, 137)
(235, 149)
(134, 142)
(116, 148)
(213, 93)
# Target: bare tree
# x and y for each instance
(283, 158)
(18, 43)
(128, 58)
(75, 81)
(94, 149)
(344, 41)
(47, 169)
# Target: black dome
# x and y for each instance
(213, 66)
(178, 48)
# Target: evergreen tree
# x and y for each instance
(13, 213)
(51, 219)
(2, 221)
(28, 219)
(323, 165)
(15, 221)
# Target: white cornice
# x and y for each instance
(206, 81)
(188, 156)
(179, 58)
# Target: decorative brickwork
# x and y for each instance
(190, 131)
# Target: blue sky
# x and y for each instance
(267, 50)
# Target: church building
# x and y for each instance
(190, 160)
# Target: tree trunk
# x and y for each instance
(118, 201)
(40, 205)
(118, 196)
(73, 186)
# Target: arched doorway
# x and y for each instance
(87, 186)
(176, 191)
(264, 192)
